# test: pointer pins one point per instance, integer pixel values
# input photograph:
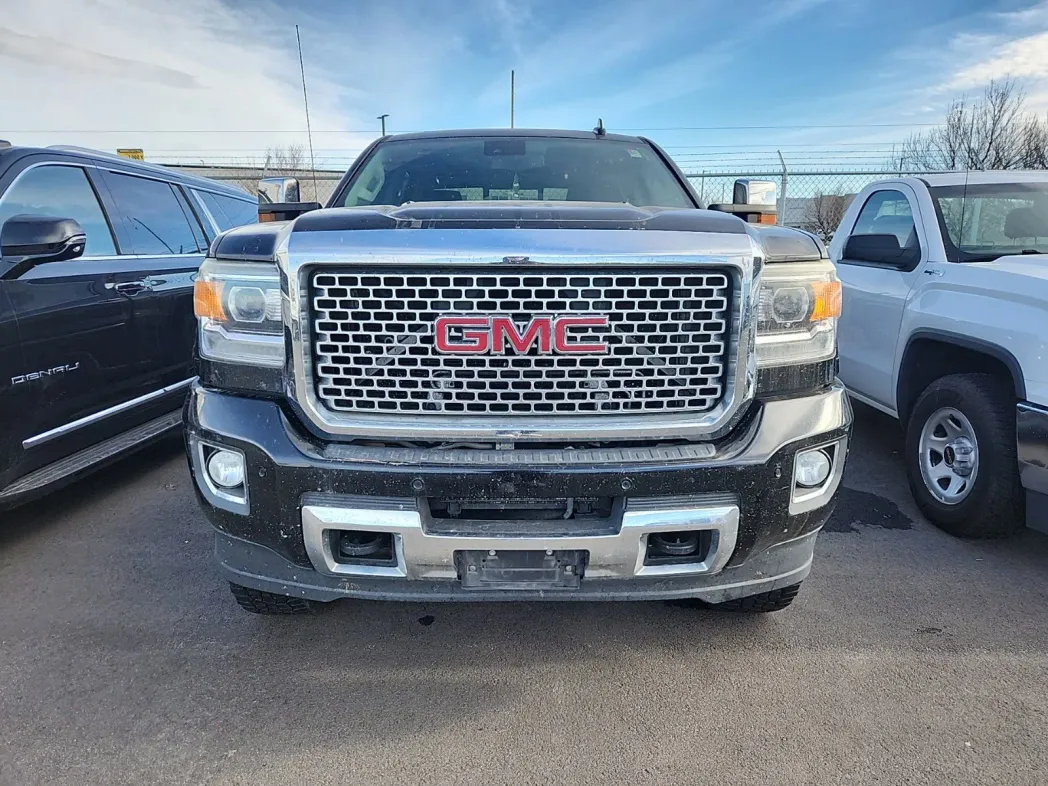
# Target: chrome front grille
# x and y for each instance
(374, 347)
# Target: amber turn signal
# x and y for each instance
(827, 300)
(207, 300)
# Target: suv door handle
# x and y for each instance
(129, 287)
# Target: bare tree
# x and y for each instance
(823, 213)
(993, 132)
(1035, 144)
(288, 161)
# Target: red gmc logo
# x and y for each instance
(496, 333)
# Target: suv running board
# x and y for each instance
(71, 467)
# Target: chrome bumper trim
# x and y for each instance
(619, 555)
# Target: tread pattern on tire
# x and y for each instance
(775, 600)
(261, 602)
(991, 511)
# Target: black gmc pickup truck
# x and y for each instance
(508, 365)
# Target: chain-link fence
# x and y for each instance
(316, 187)
(815, 201)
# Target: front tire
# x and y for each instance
(961, 456)
(260, 602)
(764, 603)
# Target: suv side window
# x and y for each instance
(888, 213)
(229, 212)
(62, 192)
(156, 221)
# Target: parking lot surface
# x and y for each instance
(909, 657)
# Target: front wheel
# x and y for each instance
(260, 602)
(961, 456)
(764, 603)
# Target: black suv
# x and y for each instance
(99, 254)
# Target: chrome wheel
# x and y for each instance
(949, 455)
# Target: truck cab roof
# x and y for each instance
(551, 133)
(9, 155)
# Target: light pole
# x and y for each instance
(383, 119)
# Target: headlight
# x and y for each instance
(797, 313)
(237, 305)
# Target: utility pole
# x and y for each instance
(512, 98)
(383, 119)
(785, 182)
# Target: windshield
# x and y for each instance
(991, 220)
(546, 169)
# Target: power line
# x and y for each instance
(372, 131)
(774, 146)
(185, 131)
(757, 128)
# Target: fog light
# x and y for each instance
(811, 469)
(226, 468)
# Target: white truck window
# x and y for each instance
(983, 221)
(888, 213)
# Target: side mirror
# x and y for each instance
(881, 249)
(33, 240)
(279, 190)
(754, 201)
(756, 192)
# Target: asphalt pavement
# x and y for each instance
(909, 657)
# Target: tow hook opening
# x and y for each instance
(360, 547)
(678, 547)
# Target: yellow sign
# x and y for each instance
(134, 153)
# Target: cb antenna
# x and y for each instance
(305, 99)
(600, 130)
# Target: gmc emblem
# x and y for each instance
(496, 333)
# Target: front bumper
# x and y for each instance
(1032, 438)
(759, 529)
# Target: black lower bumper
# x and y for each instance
(742, 488)
(1032, 435)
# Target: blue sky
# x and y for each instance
(219, 78)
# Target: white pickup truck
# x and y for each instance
(945, 326)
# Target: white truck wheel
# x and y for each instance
(961, 456)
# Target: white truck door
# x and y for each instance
(877, 277)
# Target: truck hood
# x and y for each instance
(521, 226)
(518, 215)
(1029, 265)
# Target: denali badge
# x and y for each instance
(21, 379)
(497, 333)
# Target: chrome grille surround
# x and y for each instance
(486, 252)
(374, 346)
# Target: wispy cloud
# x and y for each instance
(51, 53)
(1016, 48)
(230, 68)
(511, 17)
(152, 74)
(916, 81)
(616, 60)
(1026, 58)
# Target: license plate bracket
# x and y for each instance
(515, 569)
